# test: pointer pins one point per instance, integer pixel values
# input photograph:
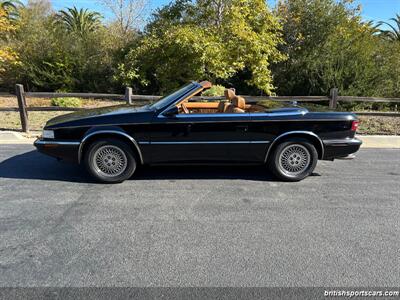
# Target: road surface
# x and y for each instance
(199, 226)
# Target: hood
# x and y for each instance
(89, 114)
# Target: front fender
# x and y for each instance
(108, 131)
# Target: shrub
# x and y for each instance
(66, 102)
(215, 90)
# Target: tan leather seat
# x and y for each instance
(229, 94)
(238, 105)
(223, 105)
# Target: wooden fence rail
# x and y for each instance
(129, 98)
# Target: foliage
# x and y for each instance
(8, 56)
(200, 40)
(43, 63)
(394, 33)
(11, 9)
(328, 46)
(302, 47)
(66, 102)
(215, 90)
(53, 57)
(81, 22)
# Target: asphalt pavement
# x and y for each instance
(199, 226)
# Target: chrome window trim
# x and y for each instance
(279, 114)
(197, 87)
(111, 132)
(291, 133)
(207, 121)
(302, 111)
(246, 114)
(195, 84)
(63, 143)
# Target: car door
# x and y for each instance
(193, 138)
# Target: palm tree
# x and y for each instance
(80, 21)
(11, 7)
(394, 33)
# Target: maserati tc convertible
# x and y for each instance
(113, 142)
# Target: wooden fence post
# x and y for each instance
(19, 89)
(334, 97)
(128, 95)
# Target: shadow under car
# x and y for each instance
(34, 165)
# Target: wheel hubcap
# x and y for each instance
(110, 161)
(294, 159)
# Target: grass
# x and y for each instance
(369, 124)
(379, 125)
(11, 120)
(37, 119)
(87, 103)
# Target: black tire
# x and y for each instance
(288, 160)
(121, 154)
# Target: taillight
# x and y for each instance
(354, 125)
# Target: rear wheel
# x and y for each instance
(293, 160)
(110, 161)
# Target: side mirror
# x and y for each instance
(173, 111)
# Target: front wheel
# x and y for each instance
(293, 160)
(110, 161)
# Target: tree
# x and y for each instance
(205, 40)
(394, 33)
(56, 55)
(7, 54)
(328, 46)
(11, 8)
(128, 13)
(43, 63)
(80, 22)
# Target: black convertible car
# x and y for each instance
(113, 141)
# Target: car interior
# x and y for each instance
(231, 104)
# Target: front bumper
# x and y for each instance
(65, 150)
(341, 148)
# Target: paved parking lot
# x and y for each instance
(199, 226)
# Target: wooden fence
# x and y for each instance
(131, 99)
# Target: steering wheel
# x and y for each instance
(185, 109)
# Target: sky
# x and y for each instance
(375, 10)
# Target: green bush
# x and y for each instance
(66, 102)
(215, 90)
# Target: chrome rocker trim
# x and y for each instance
(111, 132)
(204, 142)
(61, 143)
(342, 142)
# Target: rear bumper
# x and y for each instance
(65, 150)
(341, 148)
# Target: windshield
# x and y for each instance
(171, 97)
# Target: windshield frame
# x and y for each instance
(175, 97)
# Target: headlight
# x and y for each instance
(48, 134)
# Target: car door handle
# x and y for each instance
(244, 128)
(188, 129)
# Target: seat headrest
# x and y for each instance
(229, 94)
(239, 102)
